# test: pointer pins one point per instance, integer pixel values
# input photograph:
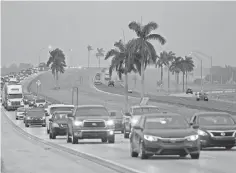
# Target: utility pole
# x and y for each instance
(201, 76)
(211, 71)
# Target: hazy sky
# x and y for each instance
(209, 27)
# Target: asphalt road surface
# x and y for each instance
(22, 155)
(211, 161)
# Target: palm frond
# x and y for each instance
(147, 29)
(111, 53)
(120, 45)
(136, 27)
(158, 37)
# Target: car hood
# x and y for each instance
(35, 116)
(91, 118)
(218, 127)
(170, 133)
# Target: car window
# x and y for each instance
(60, 116)
(172, 122)
(215, 120)
(54, 109)
(92, 111)
(40, 101)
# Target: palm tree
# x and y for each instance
(189, 67)
(120, 63)
(57, 63)
(160, 63)
(89, 50)
(175, 68)
(142, 46)
(186, 65)
(99, 54)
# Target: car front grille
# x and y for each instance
(15, 103)
(63, 125)
(172, 140)
(94, 124)
(222, 134)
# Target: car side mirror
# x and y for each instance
(70, 116)
(190, 123)
(195, 126)
(112, 114)
(137, 127)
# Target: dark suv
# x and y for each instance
(58, 124)
(91, 122)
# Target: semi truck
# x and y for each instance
(12, 96)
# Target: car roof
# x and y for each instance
(60, 105)
(56, 112)
(36, 109)
(144, 106)
(161, 114)
(90, 106)
(211, 113)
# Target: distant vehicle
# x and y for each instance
(111, 83)
(189, 91)
(12, 96)
(91, 122)
(107, 76)
(135, 112)
(35, 116)
(201, 96)
(97, 79)
(13, 80)
(53, 108)
(58, 124)
(20, 113)
(164, 134)
(216, 129)
(29, 100)
(40, 102)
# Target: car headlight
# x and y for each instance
(110, 123)
(28, 118)
(134, 121)
(78, 123)
(192, 138)
(43, 118)
(201, 133)
(55, 125)
(150, 138)
(234, 134)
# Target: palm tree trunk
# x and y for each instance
(126, 92)
(99, 61)
(168, 79)
(88, 57)
(161, 74)
(186, 80)
(142, 79)
(177, 78)
(183, 81)
(57, 79)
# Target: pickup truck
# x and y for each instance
(91, 122)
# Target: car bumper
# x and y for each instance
(156, 148)
(59, 131)
(34, 122)
(217, 142)
(94, 134)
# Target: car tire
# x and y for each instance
(229, 147)
(74, 140)
(132, 152)
(44, 125)
(142, 153)
(197, 99)
(195, 156)
(206, 100)
(53, 135)
(68, 138)
(26, 125)
(47, 131)
(126, 135)
(111, 140)
(50, 136)
(16, 118)
(182, 155)
(104, 140)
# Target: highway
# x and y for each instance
(211, 161)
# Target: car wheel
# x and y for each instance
(126, 135)
(122, 131)
(68, 139)
(142, 153)
(26, 125)
(229, 147)
(111, 140)
(132, 152)
(197, 99)
(50, 136)
(104, 140)
(53, 135)
(74, 140)
(16, 118)
(195, 156)
(44, 125)
(47, 131)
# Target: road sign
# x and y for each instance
(144, 101)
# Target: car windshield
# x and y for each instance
(40, 101)
(215, 120)
(29, 97)
(92, 111)
(35, 113)
(53, 109)
(97, 77)
(21, 110)
(14, 96)
(60, 116)
(171, 122)
(141, 111)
